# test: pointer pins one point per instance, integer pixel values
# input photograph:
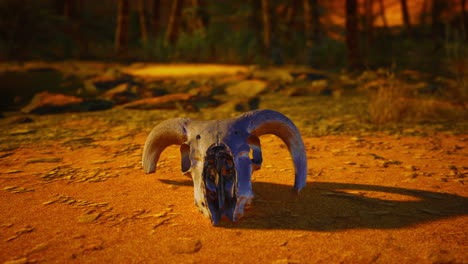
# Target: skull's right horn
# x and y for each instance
(166, 133)
(262, 122)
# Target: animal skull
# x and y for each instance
(216, 155)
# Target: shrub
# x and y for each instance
(387, 103)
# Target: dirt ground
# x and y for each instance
(72, 190)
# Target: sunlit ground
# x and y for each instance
(184, 70)
(73, 189)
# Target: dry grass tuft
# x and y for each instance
(386, 104)
(393, 100)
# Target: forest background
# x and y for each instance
(422, 34)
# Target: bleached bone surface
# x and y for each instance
(216, 155)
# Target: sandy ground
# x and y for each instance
(84, 198)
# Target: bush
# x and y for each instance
(387, 103)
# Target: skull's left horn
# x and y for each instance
(166, 133)
(262, 122)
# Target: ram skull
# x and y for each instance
(220, 156)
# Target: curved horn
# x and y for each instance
(166, 133)
(262, 122)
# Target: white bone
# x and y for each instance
(234, 137)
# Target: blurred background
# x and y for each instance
(393, 48)
(324, 34)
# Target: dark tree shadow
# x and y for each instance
(328, 206)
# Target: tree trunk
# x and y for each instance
(255, 21)
(155, 17)
(423, 13)
(352, 34)
(83, 40)
(369, 20)
(198, 22)
(383, 14)
(464, 25)
(311, 21)
(66, 8)
(405, 15)
(437, 26)
(290, 13)
(315, 20)
(173, 24)
(266, 25)
(121, 33)
(72, 10)
(143, 23)
(311, 30)
(307, 22)
(80, 6)
(58, 6)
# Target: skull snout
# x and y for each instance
(219, 176)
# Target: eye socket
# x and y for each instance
(198, 137)
(236, 132)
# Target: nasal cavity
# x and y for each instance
(218, 148)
